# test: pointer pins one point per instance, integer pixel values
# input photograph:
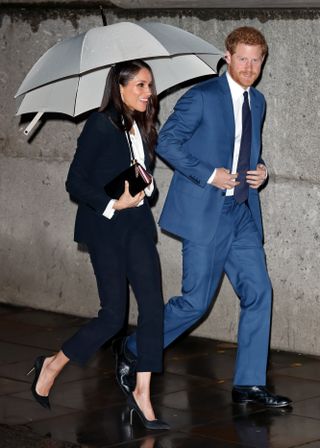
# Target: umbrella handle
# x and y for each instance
(32, 123)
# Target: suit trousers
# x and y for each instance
(236, 250)
(127, 252)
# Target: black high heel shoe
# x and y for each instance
(148, 424)
(37, 366)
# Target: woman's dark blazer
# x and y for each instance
(102, 153)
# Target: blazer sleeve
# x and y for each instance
(179, 129)
(80, 180)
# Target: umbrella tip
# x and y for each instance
(103, 16)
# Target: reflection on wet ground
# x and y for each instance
(193, 395)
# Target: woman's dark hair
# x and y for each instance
(121, 74)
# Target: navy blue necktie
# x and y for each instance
(242, 190)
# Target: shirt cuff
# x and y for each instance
(209, 181)
(109, 210)
(149, 189)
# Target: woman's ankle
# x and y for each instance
(54, 364)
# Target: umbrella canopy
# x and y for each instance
(78, 94)
(70, 77)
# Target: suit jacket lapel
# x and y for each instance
(228, 112)
(256, 127)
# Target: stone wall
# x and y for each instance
(41, 267)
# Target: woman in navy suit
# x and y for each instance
(120, 234)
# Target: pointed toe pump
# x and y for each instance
(148, 424)
(37, 366)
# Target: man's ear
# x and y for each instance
(227, 57)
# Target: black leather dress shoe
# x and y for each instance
(125, 366)
(258, 395)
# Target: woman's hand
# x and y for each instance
(126, 200)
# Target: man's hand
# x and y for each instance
(126, 200)
(224, 180)
(257, 177)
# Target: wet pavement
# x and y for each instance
(193, 395)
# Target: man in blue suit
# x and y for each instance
(213, 141)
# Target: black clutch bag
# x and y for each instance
(136, 175)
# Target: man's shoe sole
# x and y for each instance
(245, 402)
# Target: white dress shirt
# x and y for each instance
(237, 101)
(138, 152)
